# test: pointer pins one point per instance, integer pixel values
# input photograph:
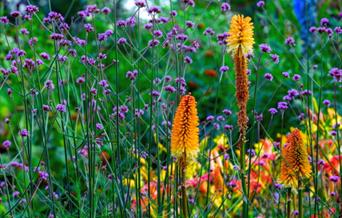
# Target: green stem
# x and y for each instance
(243, 182)
(288, 209)
(300, 200)
(184, 197)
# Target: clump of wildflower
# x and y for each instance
(295, 164)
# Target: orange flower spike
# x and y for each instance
(295, 164)
(184, 136)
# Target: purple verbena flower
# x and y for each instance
(173, 13)
(334, 178)
(220, 118)
(227, 112)
(106, 10)
(189, 24)
(282, 105)
(290, 41)
(61, 108)
(265, 48)
(88, 27)
(224, 69)
(326, 102)
(24, 31)
(4, 20)
(268, 76)
(140, 3)
(130, 21)
(324, 21)
(225, 7)
(273, 111)
(155, 93)
(286, 74)
(312, 29)
(122, 41)
(210, 118)
(15, 14)
(57, 36)
(154, 10)
(153, 43)
(49, 85)
(208, 32)
(104, 83)
(99, 126)
(132, 74)
(275, 58)
(187, 60)
(296, 77)
(31, 9)
(24, 133)
(170, 89)
(158, 33)
(336, 73)
(260, 4)
(228, 127)
(6, 144)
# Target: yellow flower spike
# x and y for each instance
(295, 164)
(240, 35)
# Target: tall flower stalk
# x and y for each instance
(240, 42)
(185, 140)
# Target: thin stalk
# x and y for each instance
(184, 197)
(300, 199)
(288, 203)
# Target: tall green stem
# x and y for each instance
(300, 199)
